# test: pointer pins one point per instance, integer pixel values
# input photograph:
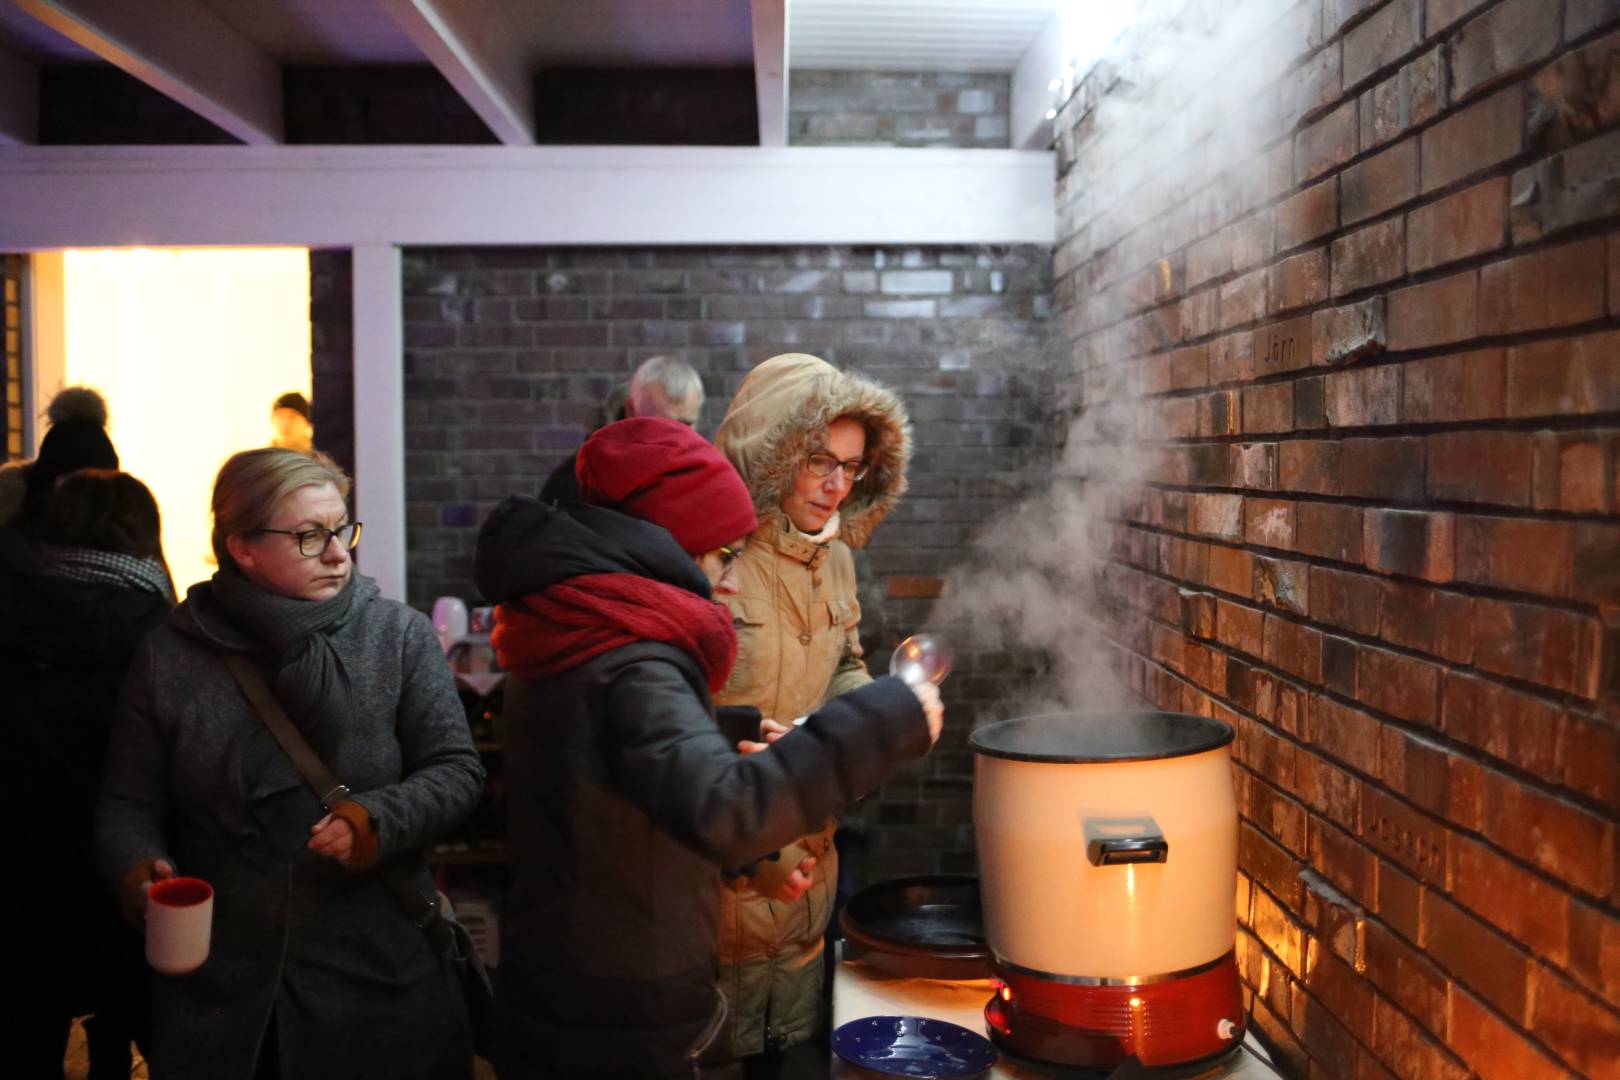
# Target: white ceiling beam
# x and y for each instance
(19, 100)
(1032, 96)
(183, 50)
(477, 48)
(339, 197)
(771, 69)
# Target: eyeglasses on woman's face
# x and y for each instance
(822, 463)
(313, 542)
(729, 556)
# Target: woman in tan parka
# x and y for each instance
(824, 455)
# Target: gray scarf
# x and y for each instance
(296, 636)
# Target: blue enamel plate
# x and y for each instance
(913, 1046)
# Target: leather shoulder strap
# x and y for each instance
(309, 765)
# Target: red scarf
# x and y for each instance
(574, 620)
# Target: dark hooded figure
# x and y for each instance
(626, 798)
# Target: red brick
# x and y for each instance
(1254, 466)
(1614, 273)
(1399, 685)
(1411, 838)
(1201, 314)
(1243, 300)
(1427, 619)
(1321, 1031)
(1564, 840)
(1416, 769)
(1412, 96)
(1591, 748)
(1521, 730)
(1571, 188)
(1220, 516)
(1231, 570)
(1269, 865)
(1492, 1047)
(1515, 901)
(1481, 466)
(1268, 409)
(1541, 645)
(1406, 976)
(1435, 313)
(1583, 1032)
(1299, 280)
(1473, 138)
(1218, 414)
(1369, 256)
(1479, 957)
(1344, 734)
(1328, 789)
(1557, 287)
(1389, 469)
(1344, 862)
(1283, 346)
(1514, 553)
(1571, 376)
(1278, 931)
(1597, 562)
(1283, 584)
(1400, 900)
(1380, 183)
(1471, 222)
(1239, 627)
(1309, 215)
(1504, 40)
(1410, 542)
(1465, 386)
(1345, 600)
(1293, 648)
(1326, 144)
(1363, 397)
(1352, 332)
(1572, 471)
(1309, 465)
(1269, 523)
(1329, 531)
(915, 588)
(1231, 359)
(1594, 947)
(1442, 13)
(1407, 1050)
(1189, 368)
(1310, 87)
(1380, 41)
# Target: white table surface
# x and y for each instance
(862, 990)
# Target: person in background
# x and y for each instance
(316, 969)
(67, 635)
(73, 403)
(824, 453)
(290, 428)
(662, 386)
(625, 796)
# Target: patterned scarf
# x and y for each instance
(109, 568)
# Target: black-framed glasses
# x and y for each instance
(728, 557)
(312, 542)
(824, 464)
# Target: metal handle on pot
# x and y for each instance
(1123, 851)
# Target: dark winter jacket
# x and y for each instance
(625, 799)
(193, 775)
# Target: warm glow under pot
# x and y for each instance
(1108, 871)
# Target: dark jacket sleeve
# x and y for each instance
(442, 776)
(671, 759)
(134, 802)
(563, 484)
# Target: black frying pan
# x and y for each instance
(924, 927)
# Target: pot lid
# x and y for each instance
(1093, 738)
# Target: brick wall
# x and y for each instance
(331, 345)
(11, 327)
(1357, 279)
(906, 108)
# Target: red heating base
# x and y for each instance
(1174, 1022)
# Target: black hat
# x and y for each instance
(71, 445)
(295, 401)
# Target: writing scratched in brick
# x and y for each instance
(1281, 352)
(1417, 847)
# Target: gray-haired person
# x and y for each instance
(664, 386)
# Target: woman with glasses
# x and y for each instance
(625, 797)
(315, 968)
(824, 453)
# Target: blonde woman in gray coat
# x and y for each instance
(315, 969)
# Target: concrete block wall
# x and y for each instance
(1374, 360)
(905, 108)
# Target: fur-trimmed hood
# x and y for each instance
(783, 408)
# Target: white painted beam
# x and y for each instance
(1032, 95)
(771, 69)
(475, 46)
(19, 100)
(379, 414)
(341, 197)
(184, 50)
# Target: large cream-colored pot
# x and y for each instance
(1071, 814)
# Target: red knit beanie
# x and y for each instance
(662, 471)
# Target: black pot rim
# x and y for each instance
(1195, 735)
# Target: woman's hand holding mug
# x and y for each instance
(928, 697)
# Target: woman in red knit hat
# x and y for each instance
(625, 798)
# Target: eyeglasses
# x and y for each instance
(824, 464)
(729, 557)
(312, 542)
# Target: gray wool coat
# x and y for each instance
(353, 988)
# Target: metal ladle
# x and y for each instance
(922, 658)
